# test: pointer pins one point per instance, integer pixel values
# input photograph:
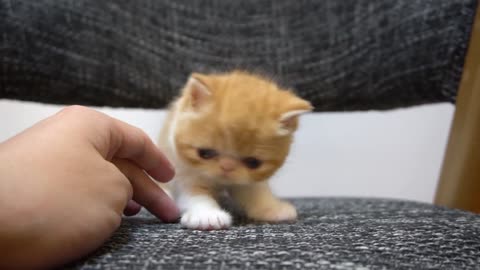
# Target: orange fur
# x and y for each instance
(237, 114)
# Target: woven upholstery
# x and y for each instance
(332, 233)
(341, 55)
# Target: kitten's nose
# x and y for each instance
(227, 164)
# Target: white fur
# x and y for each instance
(282, 130)
(193, 83)
(291, 114)
(202, 212)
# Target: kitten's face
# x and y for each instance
(236, 128)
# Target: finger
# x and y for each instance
(147, 193)
(114, 138)
(132, 208)
(131, 143)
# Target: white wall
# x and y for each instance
(395, 154)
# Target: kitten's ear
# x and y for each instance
(197, 91)
(288, 121)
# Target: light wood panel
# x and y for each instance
(459, 185)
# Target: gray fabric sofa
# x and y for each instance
(341, 55)
(332, 233)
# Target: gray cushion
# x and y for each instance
(341, 55)
(331, 233)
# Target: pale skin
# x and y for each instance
(67, 180)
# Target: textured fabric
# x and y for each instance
(341, 55)
(331, 233)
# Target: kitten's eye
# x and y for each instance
(252, 162)
(207, 153)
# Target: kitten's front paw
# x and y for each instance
(277, 211)
(206, 219)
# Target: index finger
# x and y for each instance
(131, 143)
(147, 193)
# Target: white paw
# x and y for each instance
(206, 219)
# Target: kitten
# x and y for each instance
(229, 132)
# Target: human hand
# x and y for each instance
(65, 182)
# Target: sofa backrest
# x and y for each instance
(341, 55)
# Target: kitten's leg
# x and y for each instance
(200, 210)
(260, 204)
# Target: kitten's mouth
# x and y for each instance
(225, 177)
(228, 179)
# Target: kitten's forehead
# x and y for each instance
(242, 140)
(247, 100)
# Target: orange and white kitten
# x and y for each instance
(229, 132)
